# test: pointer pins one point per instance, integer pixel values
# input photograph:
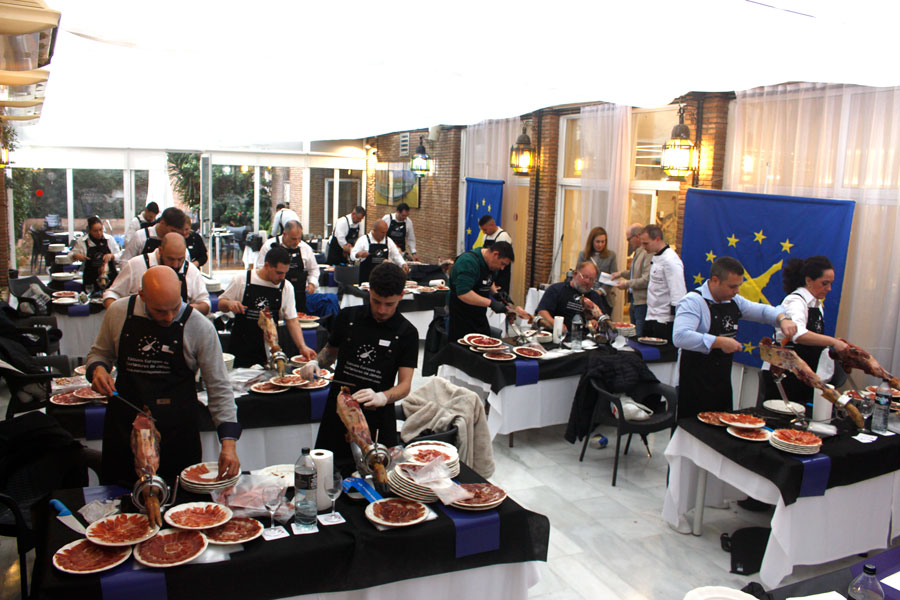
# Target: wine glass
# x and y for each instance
(333, 489)
(272, 499)
(866, 408)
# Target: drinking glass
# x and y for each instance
(272, 499)
(333, 489)
(866, 408)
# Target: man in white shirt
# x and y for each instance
(345, 234)
(373, 249)
(171, 254)
(666, 286)
(400, 229)
(144, 219)
(283, 216)
(148, 239)
(304, 270)
(257, 290)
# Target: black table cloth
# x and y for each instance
(423, 274)
(426, 301)
(349, 556)
(851, 461)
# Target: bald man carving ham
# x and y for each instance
(157, 342)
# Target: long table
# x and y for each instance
(427, 560)
(855, 510)
(417, 308)
(516, 401)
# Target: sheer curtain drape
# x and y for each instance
(605, 176)
(487, 152)
(833, 141)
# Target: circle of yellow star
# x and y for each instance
(468, 231)
(732, 241)
(749, 347)
(698, 278)
(710, 256)
(786, 245)
(759, 237)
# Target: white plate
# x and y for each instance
(734, 431)
(173, 512)
(782, 407)
(163, 534)
(80, 370)
(62, 276)
(518, 352)
(256, 534)
(259, 390)
(75, 400)
(410, 453)
(504, 359)
(315, 385)
(491, 341)
(744, 425)
(65, 294)
(206, 479)
(92, 530)
(88, 394)
(65, 301)
(652, 341)
(716, 593)
(125, 553)
(370, 514)
(284, 472)
(298, 383)
(310, 325)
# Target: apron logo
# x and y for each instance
(165, 348)
(728, 325)
(147, 345)
(366, 354)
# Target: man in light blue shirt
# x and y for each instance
(706, 323)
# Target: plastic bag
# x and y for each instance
(245, 498)
(436, 476)
(242, 379)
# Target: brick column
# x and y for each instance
(542, 202)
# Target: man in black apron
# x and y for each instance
(706, 324)
(303, 272)
(147, 240)
(493, 233)
(157, 342)
(373, 249)
(194, 242)
(345, 234)
(400, 229)
(376, 350)
(567, 299)
(259, 289)
(471, 286)
(144, 219)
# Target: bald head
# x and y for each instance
(379, 230)
(171, 251)
(161, 293)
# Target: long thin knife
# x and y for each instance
(146, 414)
(66, 517)
(347, 383)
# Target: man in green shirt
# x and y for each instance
(471, 287)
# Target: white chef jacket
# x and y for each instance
(410, 234)
(133, 227)
(343, 227)
(282, 218)
(666, 286)
(362, 244)
(80, 246)
(306, 253)
(235, 291)
(128, 281)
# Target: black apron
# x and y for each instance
(368, 358)
(467, 318)
(503, 276)
(378, 253)
(150, 243)
(705, 379)
(152, 373)
(142, 224)
(95, 252)
(296, 274)
(182, 275)
(397, 232)
(247, 342)
(796, 390)
(335, 250)
(568, 305)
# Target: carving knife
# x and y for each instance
(66, 517)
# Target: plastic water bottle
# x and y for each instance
(305, 486)
(575, 338)
(882, 408)
(866, 586)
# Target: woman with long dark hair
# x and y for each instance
(806, 283)
(597, 251)
(97, 250)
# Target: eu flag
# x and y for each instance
(764, 232)
(483, 197)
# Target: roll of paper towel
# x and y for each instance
(324, 460)
(821, 406)
(558, 335)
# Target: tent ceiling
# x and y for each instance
(219, 74)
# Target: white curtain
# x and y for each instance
(487, 154)
(605, 175)
(833, 141)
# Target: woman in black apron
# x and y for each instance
(97, 253)
(806, 282)
(247, 343)
(705, 379)
(335, 250)
(152, 373)
(296, 274)
(378, 253)
(468, 318)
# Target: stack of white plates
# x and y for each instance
(403, 486)
(625, 329)
(470, 505)
(425, 451)
(794, 448)
(206, 482)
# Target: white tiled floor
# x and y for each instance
(605, 542)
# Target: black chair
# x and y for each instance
(32, 391)
(33, 296)
(663, 417)
(52, 222)
(449, 436)
(346, 278)
(237, 240)
(40, 250)
(39, 334)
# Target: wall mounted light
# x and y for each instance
(521, 155)
(421, 164)
(678, 151)
(5, 157)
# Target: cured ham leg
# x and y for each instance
(145, 440)
(785, 359)
(855, 357)
(357, 427)
(270, 336)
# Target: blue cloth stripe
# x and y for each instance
(363, 487)
(213, 302)
(648, 353)
(527, 371)
(72, 286)
(93, 422)
(331, 281)
(476, 531)
(310, 338)
(317, 400)
(129, 581)
(816, 469)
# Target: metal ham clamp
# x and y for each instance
(522, 338)
(150, 491)
(785, 359)
(277, 358)
(371, 457)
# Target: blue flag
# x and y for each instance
(764, 232)
(483, 197)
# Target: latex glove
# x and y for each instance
(310, 371)
(498, 307)
(369, 398)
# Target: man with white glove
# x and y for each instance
(376, 350)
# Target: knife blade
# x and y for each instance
(143, 412)
(347, 383)
(66, 517)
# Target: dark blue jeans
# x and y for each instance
(638, 313)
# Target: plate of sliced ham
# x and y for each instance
(267, 387)
(68, 399)
(289, 381)
(87, 393)
(120, 530)
(396, 512)
(499, 356)
(874, 388)
(83, 557)
(484, 496)
(527, 352)
(172, 547)
(80, 370)
(742, 420)
(315, 385)
(236, 531)
(753, 435)
(477, 339)
(711, 418)
(198, 515)
(304, 318)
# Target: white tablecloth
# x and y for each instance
(265, 446)
(78, 333)
(846, 520)
(532, 299)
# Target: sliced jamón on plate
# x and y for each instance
(170, 548)
(83, 557)
(396, 512)
(267, 387)
(498, 355)
(753, 435)
(527, 352)
(711, 418)
(742, 420)
(235, 531)
(198, 515)
(483, 494)
(120, 530)
(477, 339)
(288, 381)
(796, 437)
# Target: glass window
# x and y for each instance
(651, 130)
(232, 195)
(99, 192)
(574, 162)
(141, 183)
(571, 244)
